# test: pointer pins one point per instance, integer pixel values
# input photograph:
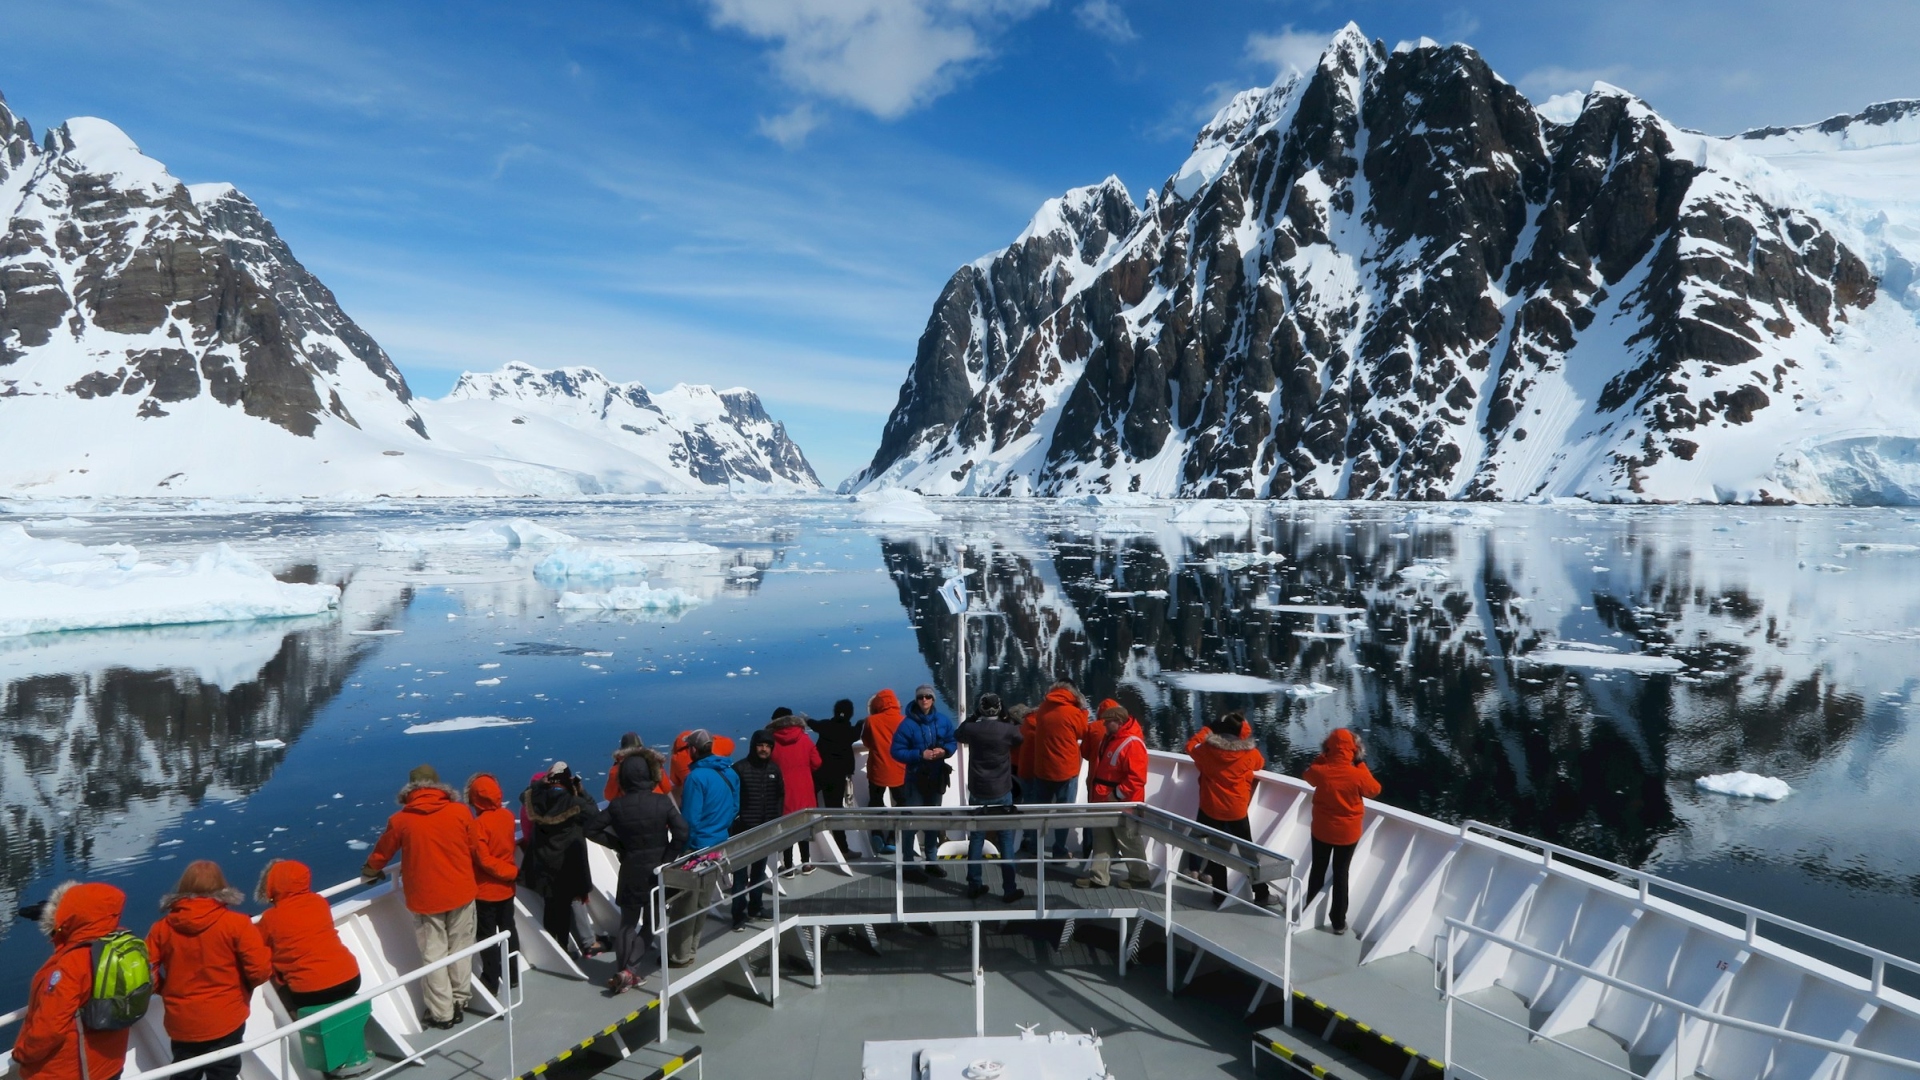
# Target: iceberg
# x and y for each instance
(495, 535)
(895, 506)
(569, 562)
(641, 597)
(1745, 785)
(465, 723)
(49, 586)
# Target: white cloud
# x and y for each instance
(791, 128)
(1544, 82)
(1288, 50)
(1105, 18)
(884, 56)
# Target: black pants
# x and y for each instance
(557, 920)
(1341, 855)
(878, 796)
(307, 999)
(831, 791)
(225, 1069)
(633, 937)
(756, 906)
(806, 855)
(1217, 873)
(489, 918)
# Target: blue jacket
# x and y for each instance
(709, 800)
(920, 731)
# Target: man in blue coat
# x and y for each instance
(923, 743)
(709, 801)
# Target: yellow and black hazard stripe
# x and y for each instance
(1300, 1061)
(1369, 1044)
(668, 1069)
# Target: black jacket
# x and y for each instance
(990, 742)
(556, 861)
(643, 826)
(762, 794)
(837, 738)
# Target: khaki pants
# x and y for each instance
(1124, 842)
(439, 935)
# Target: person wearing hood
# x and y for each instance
(709, 802)
(1119, 774)
(207, 958)
(1224, 753)
(433, 834)
(762, 793)
(924, 745)
(886, 778)
(798, 759)
(834, 738)
(555, 866)
(646, 829)
(1059, 725)
(48, 1045)
(630, 744)
(312, 967)
(992, 739)
(494, 873)
(1341, 785)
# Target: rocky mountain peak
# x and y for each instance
(1390, 277)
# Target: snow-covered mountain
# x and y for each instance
(1396, 277)
(161, 339)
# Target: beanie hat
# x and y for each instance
(843, 709)
(423, 774)
(630, 740)
(761, 736)
(924, 688)
(1114, 712)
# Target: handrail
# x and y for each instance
(1754, 915)
(1698, 1013)
(13, 1017)
(326, 1013)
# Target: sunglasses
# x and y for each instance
(923, 697)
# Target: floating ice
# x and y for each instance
(641, 597)
(669, 549)
(55, 585)
(587, 564)
(1573, 655)
(465, 723)
(60, 523)
(486, 682)
(517, 533)
(1424, 574)
(895, 506)
(375, 633)
(1221, 682)
(1745, 785)
(269, 744)
(358, 845)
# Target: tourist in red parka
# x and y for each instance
(1119, 774)
(312, 967)
(797, 756)
(1224, 753)
(886, 778)
(1059, 728)
(74, 917)
(494, 875)
(433, 834)
(1341, 785)
(207, 958)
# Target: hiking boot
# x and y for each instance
(1013, 897)
(976, 891)
(936, 871)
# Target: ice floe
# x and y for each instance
(1745, 785)
(466, 723)
(55, 585)
(895, 506)
(498, 535)
(1574, 655)
(1227, 682)
(640, 597)
(575, 563)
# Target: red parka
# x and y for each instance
(493, 847)
(76, 916)
(298, 931)
(797, 757)
(207, 958)
(1340, 786)
(883, 719)
(434, 836)
(1059, 726)
(1120, 768)
(1226, 765)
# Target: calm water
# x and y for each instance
(1788, 639)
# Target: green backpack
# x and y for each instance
(122, 983)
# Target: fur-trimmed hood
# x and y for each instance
(549, 805)
(1221, 742)
(78, 911)
(408, 790)
(229, 896)
(281, 879)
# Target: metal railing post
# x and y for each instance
(899, 875)
(1446, 1042)
(773, 951)
(1169, 901)
(1286, 954)
(1040, 869)
(666, 961)
(979, 986)
(506, 999)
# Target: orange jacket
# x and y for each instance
(1226, 769)
(676, 778)
(298, 930)
(207, 958)
(883, 719)
(1119, 771)
(1340, 785)
(434, 836)
(45, 1047)
(1096, 732)
(1059, 725)
(1023, 755)
(493, 847)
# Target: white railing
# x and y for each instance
(1878, 959)
(1444, 974)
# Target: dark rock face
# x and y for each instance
(1383, 280)
(165, 295)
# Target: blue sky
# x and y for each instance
(771, 193)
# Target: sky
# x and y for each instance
(771, 193)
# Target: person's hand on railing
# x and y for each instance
(369, 879)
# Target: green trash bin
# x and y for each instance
(338, 1042)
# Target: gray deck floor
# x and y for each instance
(918, 985)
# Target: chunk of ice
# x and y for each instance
(465, 723)
(1745, 785)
